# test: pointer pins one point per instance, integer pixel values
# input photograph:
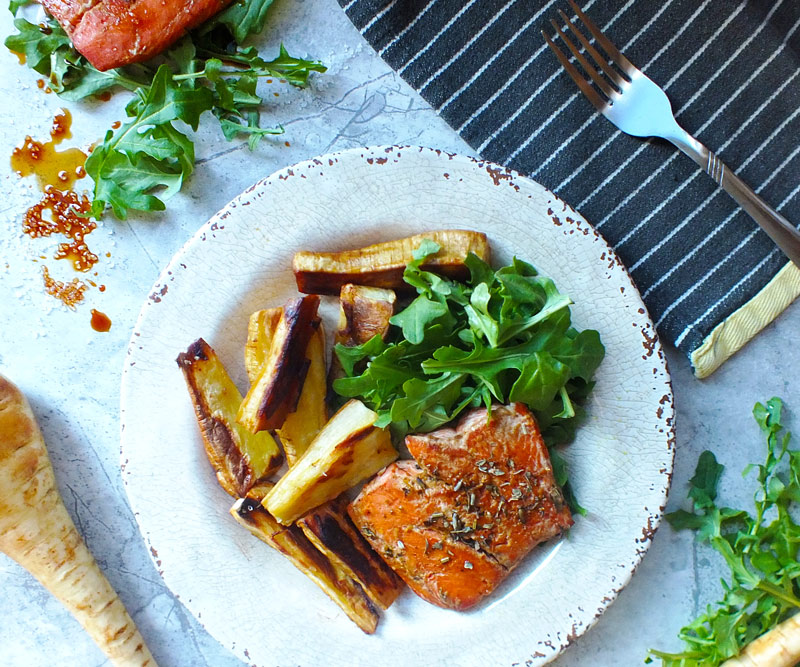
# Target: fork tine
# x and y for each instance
(615, 54)
(597, 77)
(583, 84)
(611, 73)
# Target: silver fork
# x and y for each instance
(639, 107)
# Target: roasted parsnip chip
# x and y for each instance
(348, 450)
(363, 313)
(332, 531)
(260, 331)
(382, 264)
(239, 458)
(276, 390)
(292, 543)
(301, 426)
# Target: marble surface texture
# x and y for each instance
(72, 373)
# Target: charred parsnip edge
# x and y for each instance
(239, 458)
(276, 390)
(332, 531)
(295, 546)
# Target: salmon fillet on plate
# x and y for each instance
(112, 33)
(477, 498)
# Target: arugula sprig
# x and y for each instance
(503, 336)
(760, 549)
(148, 158)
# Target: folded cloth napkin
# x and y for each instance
(709, 276)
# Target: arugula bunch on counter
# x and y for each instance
(761, 549)
(149, 157)
(503, 336)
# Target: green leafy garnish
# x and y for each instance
(504, 336)
(149, 157)
(241, 19)
(761, 550)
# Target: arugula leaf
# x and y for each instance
(350, 356)
(37, 43)
(15, 5)
(480, 271)
(147, 153)
(553, 302)
(704, 483)
(241, 18)
(421, 396)
(294, 70)
(480, 319)
(423, 281)
(761, 553)
(86, 81)
(583, 353)
(562, 478)
(541, 378)
(166, 101)
(421, 313)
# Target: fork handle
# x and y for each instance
(780, 230)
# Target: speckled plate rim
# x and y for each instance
(437, 170)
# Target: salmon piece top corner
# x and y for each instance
(113, 33)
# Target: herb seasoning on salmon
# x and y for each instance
(484, 492)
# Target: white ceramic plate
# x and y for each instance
(252, 599)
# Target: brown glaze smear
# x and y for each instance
(51, 167)
(70, 294)
(100, 321)
(20, 56)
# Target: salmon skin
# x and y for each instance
(454, 522)
(112, 33)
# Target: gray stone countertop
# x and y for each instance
(72, 374)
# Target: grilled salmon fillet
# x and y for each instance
(112, 33)
(477, 499)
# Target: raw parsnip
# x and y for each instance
(38, 533)
(780, 647)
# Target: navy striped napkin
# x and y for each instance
(732, 71)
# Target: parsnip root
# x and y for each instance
(780, 647)
(38, 533)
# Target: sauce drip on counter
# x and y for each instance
(70, 294)
(60, 211)
(65, 211)
(100, 321)
(52, 167)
